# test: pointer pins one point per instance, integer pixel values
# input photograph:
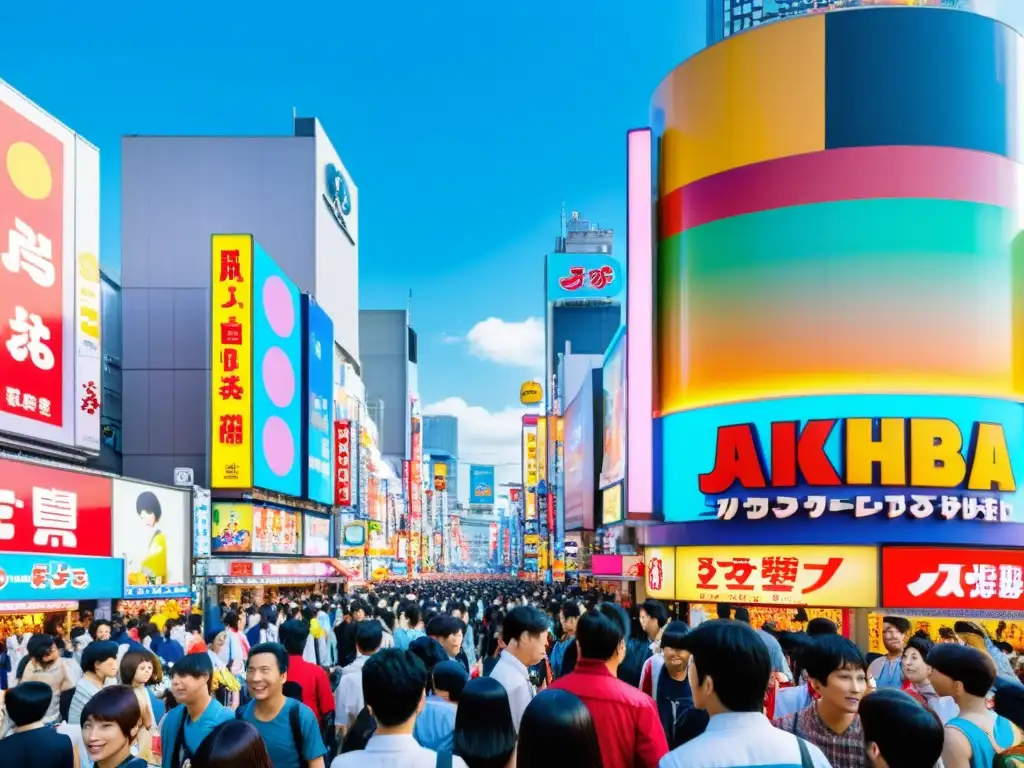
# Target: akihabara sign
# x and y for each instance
(52, 511)
(583, 276)
(889, 468)
(343, 463)
(932, 577)
(50, 364)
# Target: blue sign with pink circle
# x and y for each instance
(277, 379)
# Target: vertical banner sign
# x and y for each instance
(407, 490)
(88, 356)
(318, 350)
(37, 273)
(416, 494)
(231, 367)
(201, 522)
(343, 463)
(530, 465)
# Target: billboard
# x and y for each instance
(152, 525)
(343, 447)
(578, 459)
(53, 511)
(231, 370)
(49, 291)
(481, 484)
(530, 471)
(952, 578)
(575, 276)
(275, 531)
(780, 575)
(34, 577)
(613, 461)
(318, 353)
(660, 572)
(316, 535)
(230, 528)
(416, 469)
(278, 380)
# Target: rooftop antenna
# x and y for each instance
(295, 113)
(562, 220)
(409, 307)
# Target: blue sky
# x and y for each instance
(463, 124)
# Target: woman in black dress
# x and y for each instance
(31, 742)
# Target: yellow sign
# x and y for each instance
(834, 577)
(231, 366)
(530, 459)
(531, 393)
(611, 505)
(542, 448)
(660, 572)
(440, 470)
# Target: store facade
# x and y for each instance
(823, 400)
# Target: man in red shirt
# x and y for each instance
(316, 687)
(628, 728)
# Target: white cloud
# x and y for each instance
(518, 344)
(485, 437)
(447, 338)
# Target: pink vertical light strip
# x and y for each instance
(639, 326)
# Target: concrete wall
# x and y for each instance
(384, 340)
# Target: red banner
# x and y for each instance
(929, 577)
(343, 464)
(54, 511)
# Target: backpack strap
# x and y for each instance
(295, 721)
(444, 758)
(805, 754)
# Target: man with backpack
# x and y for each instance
(348, 699)
(289, 728)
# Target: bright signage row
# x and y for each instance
(254, 528)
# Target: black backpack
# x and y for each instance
(637, 652)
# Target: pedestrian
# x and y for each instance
(887, 670)
(779, 664)
(653, 618)
(557, 729)
(448, 631)
(137, 670)
(628, 728)
(196, 713)
(99, 663)
(288, 727)
(110, 724)
(234, 744)
(899, 732)
(394, 685)
(524, 631)
(917, 679)
(410, 625)
(435, 725)
(665, 679)
(45, 665)
(311, 679)
(485, 735)
(29, 743)
(348, 698)
(568, 615)
(729, 672)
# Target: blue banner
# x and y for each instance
(278, 463)
(60, 577)
(318, 352)
(481, 484)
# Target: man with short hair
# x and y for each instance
(779, 663)
(184, 727)
(316, 686)
(653, 618)
(394, 683)
(468, 641)
(346, 632)
(899, 732)
(435, 725)
(448, 631)
(289, 728)
(524, 632)
(887, 670)
(568, 615)
(348, 699)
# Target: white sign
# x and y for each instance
(201, 532)
(184, 477)
(88, 349)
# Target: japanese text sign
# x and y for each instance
(41, 577)
(928, 577)
(780, 575)
(37, 273)
(54, 511)
(231, 291)
(530, 456)
(88, 349)
(583, 276)
(660, 571)
(343, 463)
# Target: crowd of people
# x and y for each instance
(504, 674)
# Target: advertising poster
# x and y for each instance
(416, 470)
(275, 531)
(940, 628)
(353, 539)
(88, 357)
(37, 273)
(611, 505)
(53, 511)
(151, 534)
(60, 577)
(952, 579)
(574, 276)
(319, 356)
(797, 575)
(231, 528)
(343, 465)
(613, 464)
(277, 391)
(231, 369)
(316, 535)
(481, 484)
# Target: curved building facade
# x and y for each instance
(839, 282)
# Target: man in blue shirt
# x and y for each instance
(197, 713)
(435, 725)
(289, 728)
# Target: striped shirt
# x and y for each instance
(741, 739)
(843, 750)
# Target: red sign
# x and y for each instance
(513, 494)
(416, 472)
(241, 569)
(54, 511)
(579, 277)
(927, 577)
(32, 249)
(343, 464)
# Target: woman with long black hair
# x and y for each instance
(557, 729)
(485, 736)
(233, 744)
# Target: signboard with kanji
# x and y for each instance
(59, 577)
(231, 440)
(932, 577)
(573, 276)
(842, 577)
(343, 463)
(660, 570)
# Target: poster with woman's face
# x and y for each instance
(151, 532)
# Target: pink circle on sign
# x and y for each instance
(278, 306)
(278, 446)
(278, 377)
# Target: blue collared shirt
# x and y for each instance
(435, 725)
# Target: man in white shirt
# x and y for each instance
(395, 683)
(524, 632)
(729, 673)
(348, 699)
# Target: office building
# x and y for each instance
(390, 355)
